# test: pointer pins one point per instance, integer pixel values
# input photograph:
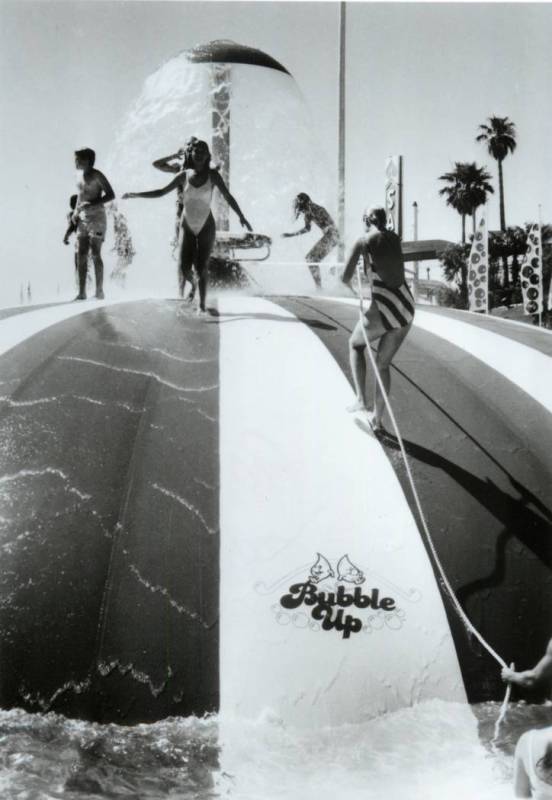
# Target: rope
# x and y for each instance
(460, 611)
(503, 710)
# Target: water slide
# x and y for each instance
(190, 521)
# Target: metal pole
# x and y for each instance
(416, 264)
(400, 200)
(341, 141)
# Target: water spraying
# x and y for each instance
(250, 111)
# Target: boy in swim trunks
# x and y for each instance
(94, 191)
(389, 317)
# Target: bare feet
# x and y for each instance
(375, 424)
(357, 406)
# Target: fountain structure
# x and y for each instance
(250, 110)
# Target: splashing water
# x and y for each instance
(47, 756)
(431, 751)
(273, 156)
(122, 245)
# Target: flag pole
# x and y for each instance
(341, 136)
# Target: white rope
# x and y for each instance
(470, 627)
(503, 710)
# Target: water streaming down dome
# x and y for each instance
(250, 110)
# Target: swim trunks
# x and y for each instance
(92, 223)
(396, 306)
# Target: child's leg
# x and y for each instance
(186, 255)
(205, 244)
(318, 253)
(96, 251)
(83, 246)
(387, 348)
(312, 258)
(372, 326)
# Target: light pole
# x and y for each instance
(341, 137)
(416, 265)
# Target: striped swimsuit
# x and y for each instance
(396, 306)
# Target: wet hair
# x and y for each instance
(377, 216)
(192, 142)
(544, 765)
(73, 201)
(300, 202)
(88, 154)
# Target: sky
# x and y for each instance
(420, 79)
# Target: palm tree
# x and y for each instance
(468, 189)
(454, 261)
(500, 138)
(516, 240)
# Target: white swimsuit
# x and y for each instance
(197, 203)
(532, 741)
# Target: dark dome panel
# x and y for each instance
(224, 50)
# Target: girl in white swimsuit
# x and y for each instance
(196, 179)
(533, 765)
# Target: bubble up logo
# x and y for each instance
(328, 607)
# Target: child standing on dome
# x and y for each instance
(390, 315)
(94, 191)
(314, 213)
(196, 180)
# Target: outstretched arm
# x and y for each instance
(218, 180)
(177, 181)
(164, 163)
(305, 229)
(531, 677)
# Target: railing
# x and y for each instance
(233, 242)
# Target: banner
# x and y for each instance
(478, 270)
(531, 272)
(393, 194)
